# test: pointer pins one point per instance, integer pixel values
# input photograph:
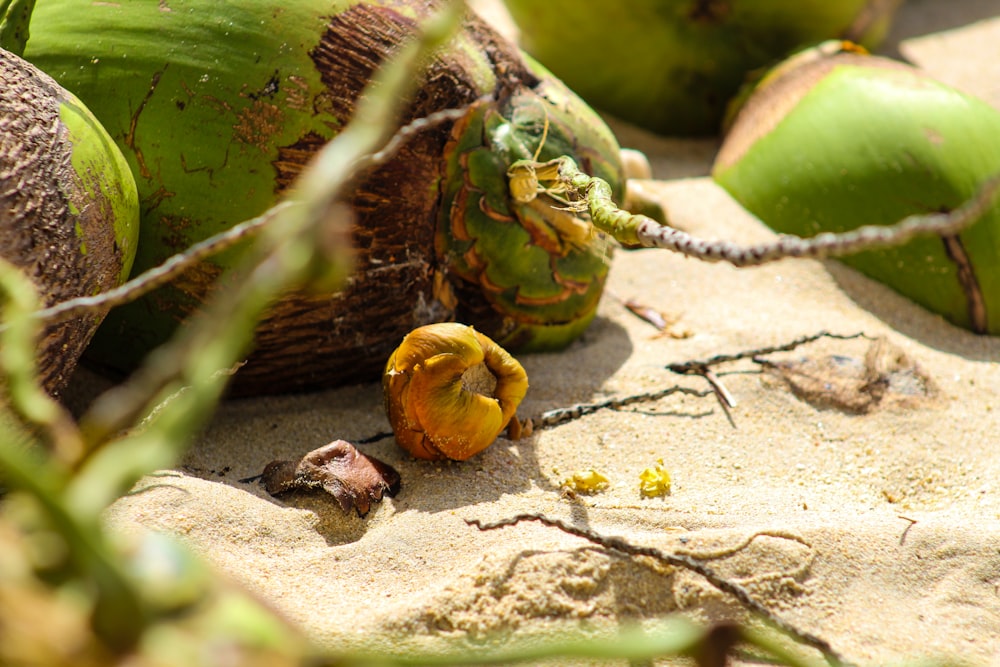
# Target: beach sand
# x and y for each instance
(878, 531)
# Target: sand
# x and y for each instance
(884, 526)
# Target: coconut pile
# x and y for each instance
(867, 518)
(841, 469)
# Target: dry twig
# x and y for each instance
(689, 561)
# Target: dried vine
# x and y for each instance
(691, 561)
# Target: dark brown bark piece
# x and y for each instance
(355, 479)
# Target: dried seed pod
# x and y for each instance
(69, 212)
(355, 479)
(450, 391)
(218, 105)
(672, 66)
(835, 139)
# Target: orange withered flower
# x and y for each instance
(450, 391)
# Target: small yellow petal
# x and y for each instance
(654, 482)
(586, 483)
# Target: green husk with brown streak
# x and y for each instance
(217, 106)
(840, 140)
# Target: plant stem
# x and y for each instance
(15, 15)
(563, 174)
(119, 609)
(573, 412)
(18, 344)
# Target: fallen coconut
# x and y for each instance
(217, 107)
(69, 211)
(834, 139)
(671, 67)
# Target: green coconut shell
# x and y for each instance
(840, 141)
(672, 65)
(217, 106)
(69, 211)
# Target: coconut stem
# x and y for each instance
(15, 15)
(563, 174)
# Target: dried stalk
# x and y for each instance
(562, 177)
(687, 561)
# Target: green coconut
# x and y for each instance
(69, 211)
(672, 65)
(833, 141)
(217, 106)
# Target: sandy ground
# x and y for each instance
(885, 526)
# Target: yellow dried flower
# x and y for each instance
(586, 483)
(654, 482)
(450, 391)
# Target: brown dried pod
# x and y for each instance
(353, 478)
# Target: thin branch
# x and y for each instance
(415, 127)
(162, 274)
(906, 531)
(687, 561)
(700, 367)
(562, 175)
(563, 415)
(722, 395)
